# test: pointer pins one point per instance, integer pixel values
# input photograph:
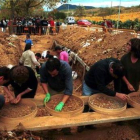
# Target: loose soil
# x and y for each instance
(91, 46)
(107, 102)
(10, 49)
(72, 104)
(16, 110)
(41, 111)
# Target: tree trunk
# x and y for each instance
(12, 9)
(11, 16)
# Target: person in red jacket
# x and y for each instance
(51, 22)
(107, 24)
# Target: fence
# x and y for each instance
(40, 30)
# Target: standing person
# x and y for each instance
(37, 23)
(51, 22)
(44, 24)
(107, 24)
(3, 24)
(56, 77)
(30, 24)
(58, 26)
(19, 26)
(62, 55)
(28, 40)
(28, 58)
(23, 81)
(131, 63)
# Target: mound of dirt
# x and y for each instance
(93, 46)
(10, 49)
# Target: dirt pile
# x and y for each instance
(40, 43)
(20, 133)
(76, 37)
(10, 49)
(93, 46)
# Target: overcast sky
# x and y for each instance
(105, 3)
(101, 3)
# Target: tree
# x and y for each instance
(60, 15)
(16, 6)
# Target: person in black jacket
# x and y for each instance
(101, 74)
(98, 77)
(44, 24)
(131, 63)
(3, 24)
(58, 26)
(23, 81)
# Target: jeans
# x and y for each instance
(2, 101)
(87, 91)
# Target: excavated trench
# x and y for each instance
(101, 46)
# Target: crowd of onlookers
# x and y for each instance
(32, 25)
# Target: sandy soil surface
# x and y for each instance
(96, 46)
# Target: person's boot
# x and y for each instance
(66, 131)
(92, 127)
(80, 129)
(86, 109)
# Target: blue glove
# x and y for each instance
(59, 106)
(47, 98)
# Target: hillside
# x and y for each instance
(72, 7)
(100, 11)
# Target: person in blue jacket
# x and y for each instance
(28, 40)
(56, 77)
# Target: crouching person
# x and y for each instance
(56, 77)
(23, 81)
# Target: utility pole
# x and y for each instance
(68, 9)
(119, 14)
(111, 9)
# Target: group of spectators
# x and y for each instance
(31, 25)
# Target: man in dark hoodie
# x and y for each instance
(101, 74)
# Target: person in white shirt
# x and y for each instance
(28, 58)
(45, 53)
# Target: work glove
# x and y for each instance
(59, 106)
(47, 98)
